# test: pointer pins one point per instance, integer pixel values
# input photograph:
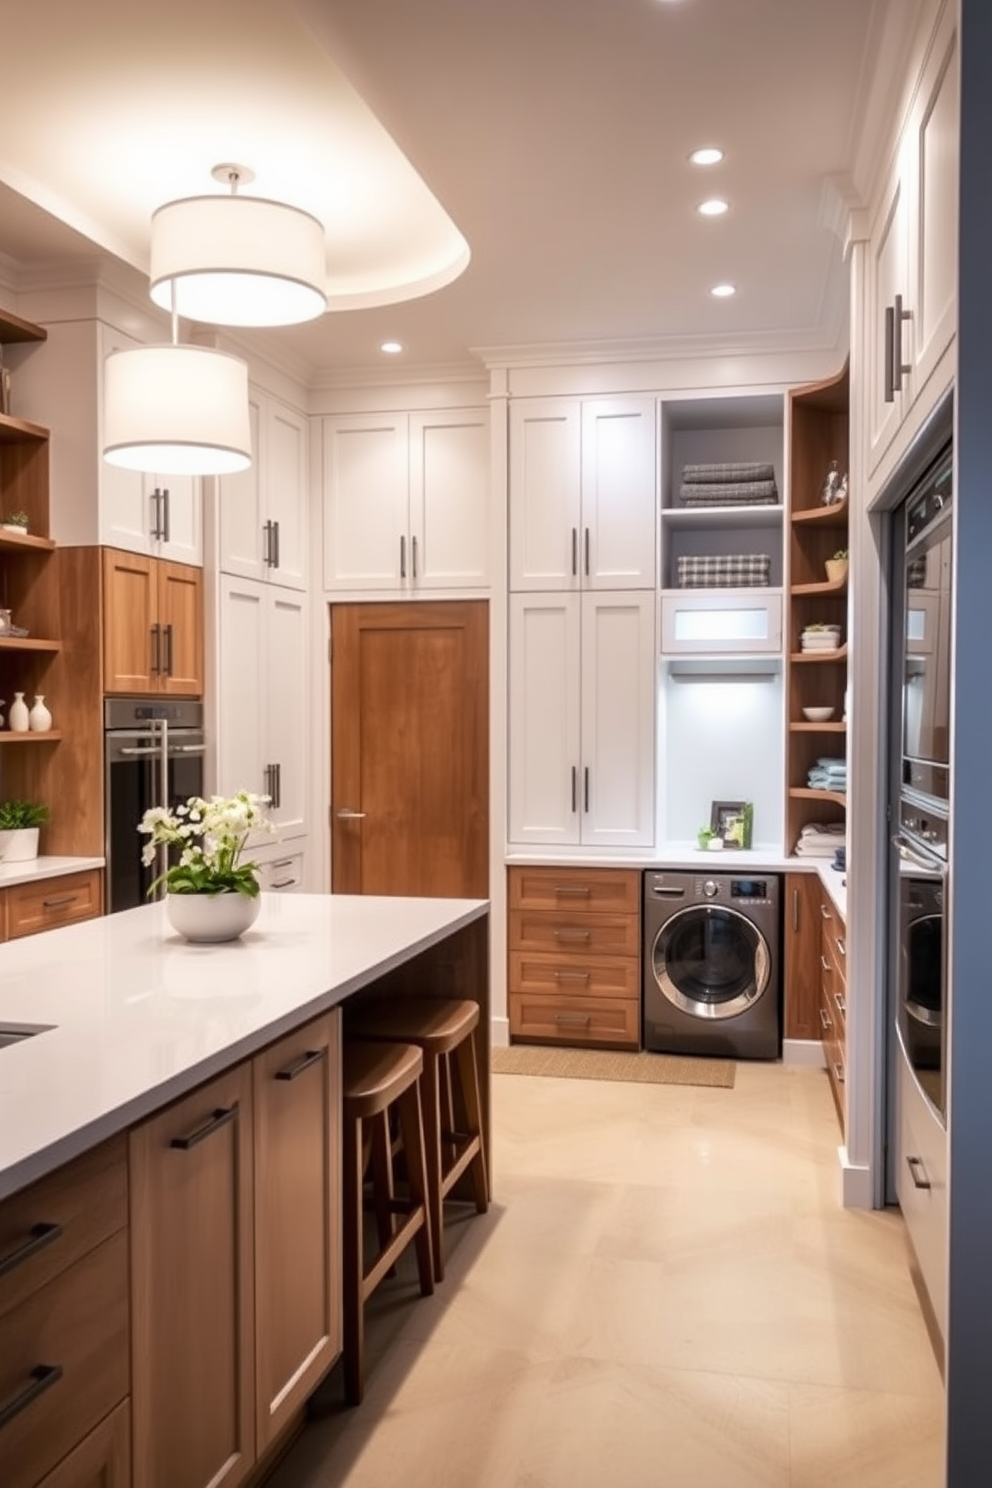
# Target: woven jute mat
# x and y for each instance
(607, 1064)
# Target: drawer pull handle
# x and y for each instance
(574, 1020)
(578, 937)
(305, 1062)
(841, 945)
(43, 1376)
(825, 1019)
(841, 1004)
(220, 1118)
(41, 1235)
(573, 891)
(282, 883)
(917, 1172)
(59, 901)
(825, 964)
(824, 911)
(283, 863)
(838, 1072)
(571, 976)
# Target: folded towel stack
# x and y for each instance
(828, 774)
(724, 571)
(728, 484)
(816, 841)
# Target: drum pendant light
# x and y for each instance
(176, 410)
(238, 260)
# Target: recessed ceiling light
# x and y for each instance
(391, 347)
(707, 155)
(723, 291)
(715, 207)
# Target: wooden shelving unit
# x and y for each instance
(820, 432)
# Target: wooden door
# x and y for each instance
(410, 749)
(180, 617)
(192, 1289)
(129, 605)
(297, 1106)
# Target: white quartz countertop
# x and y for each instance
(38, 868)
(140, 1016)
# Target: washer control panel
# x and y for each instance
(735, 890)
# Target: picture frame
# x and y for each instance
(732, 822)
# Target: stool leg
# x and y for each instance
(383, 1188)
(434, 1158)
(412, 1125)
(353, 1264)
(468, 1075)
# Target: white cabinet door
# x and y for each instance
(285, 494)
(242, 708)
(544, 718)
(449, 499)
(241, 507)
(284, 674)
(174, 508)
(619, 495)
(124, 508)
(934, 241)
(618, 719)
(365, 503)
(890, 335)
(545, 509)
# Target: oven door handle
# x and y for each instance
(133, 750)
(187, 748)
(914, 853)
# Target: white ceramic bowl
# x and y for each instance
(818, 715)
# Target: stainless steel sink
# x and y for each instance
(16, 1033)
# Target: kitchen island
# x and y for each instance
(170, 1177)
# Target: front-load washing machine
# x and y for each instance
(711, 964)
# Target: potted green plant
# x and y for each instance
(211, 889)
(837, 566)
(16, 521)
(20, 825)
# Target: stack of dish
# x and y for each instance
(820, 638)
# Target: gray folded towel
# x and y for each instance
(727, 472)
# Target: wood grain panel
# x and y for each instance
(130, 603)
(537, 972)
(574, 933)
(590, 889)
(564, 1021)
(102, 1459)
(31, 907)
(180, 613)
(801, 959)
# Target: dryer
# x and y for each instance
(711, 982)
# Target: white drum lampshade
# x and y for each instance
(176, 410)
(238, 260)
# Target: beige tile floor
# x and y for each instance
(666, 1293)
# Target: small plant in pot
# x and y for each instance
(211, 888)
(837, 566)
(16, 521)
(20, 824)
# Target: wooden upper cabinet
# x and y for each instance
(152, 625)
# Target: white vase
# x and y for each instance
(39, 717)
(19, 844)
(18, 720)
(211, 917)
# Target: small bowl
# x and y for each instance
(818, 715)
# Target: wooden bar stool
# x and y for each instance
(444, 1030)
(379, 1078)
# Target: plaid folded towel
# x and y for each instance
(755, 493)
(727, 471)
(724, 571)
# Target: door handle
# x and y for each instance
(275, 544)
(575, 552)
(917, 1172)
(346, 814)
(166, 524)
(402, 557)
(267, 544)
(413, 557)
(156, 666)
(168, 650)
(586, 551)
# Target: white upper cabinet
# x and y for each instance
(583, 494)
(406, 501)
(912, 288)
(582, 719)
(263, 510)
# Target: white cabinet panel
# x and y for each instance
(936, 237)
(242, 707)
(365, 501)
(449, 498)
(284, 667)
(582, 719)
(240, 503)
(889, 283)
(263, 510)
(545, 513)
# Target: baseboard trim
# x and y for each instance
(808, 1052)
(499, 1032)
(856, 1183)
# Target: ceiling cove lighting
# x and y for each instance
(715, 207)
(706, 155)
(238, 260)
(723, 291)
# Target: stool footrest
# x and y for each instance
(387, 1258)
(460, 1165)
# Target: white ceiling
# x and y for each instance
(552, 134)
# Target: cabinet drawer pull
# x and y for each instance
(573, 937)
(275, 544)
(43, 1376)
(841, 1004)
(168, 650)
(156, 662)
(825, 1019)
(585, 790)
(574, 777)
(571, 976)
(41, 1235)
(890, 355)
(917, 1172)
(841, 945)
(574, 1020)
(586, 545)
(824, 911)
(59, 901)
(573, 891)
(282, 863)
(575, 552)
(825, 964)
(305, 1062)
(838, 1072)
(282, 883)
(413, 557)
(220, 1118)
(795, 911)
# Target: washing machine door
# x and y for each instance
(710, 961)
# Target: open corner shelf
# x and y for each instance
(52, 736)
(15, 328)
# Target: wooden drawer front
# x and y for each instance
(53, 901)
(834, 968)
(576, 889)
(78, 1323)
(102, 1459)
(537, 973)
(55, 1221)
(563, 1020)
(833, 1050)
(573, 935)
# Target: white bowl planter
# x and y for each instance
(19, 844)
(211, 918)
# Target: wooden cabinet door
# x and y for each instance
(180, 620)
(544, 704)
(449, 499)
(801, 945)
(296, 1085)
(130, 603)
(366, 496)
(618, 687)
(192, 1289)
(545, 508)
(618, 547)
(101, 1460)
